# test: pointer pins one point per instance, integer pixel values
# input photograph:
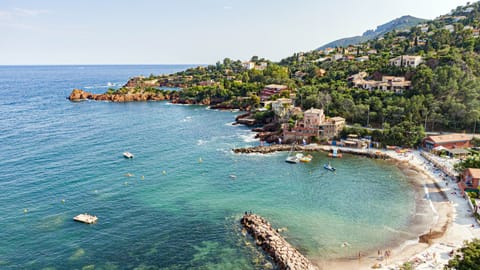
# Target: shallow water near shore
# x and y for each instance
(181, 208)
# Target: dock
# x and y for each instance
(284, 255)
(86, 218)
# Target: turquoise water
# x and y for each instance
(181, 208)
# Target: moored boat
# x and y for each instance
(127, 155)
(293, 158)
(329, 167)
(306, 158)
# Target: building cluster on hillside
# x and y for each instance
(312, 123)
(352, 52)
(388, 83)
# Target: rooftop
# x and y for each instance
(450, 138)
(474, 172)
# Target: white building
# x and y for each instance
(406, 61)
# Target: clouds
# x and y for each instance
(16, 13)
(29, 12)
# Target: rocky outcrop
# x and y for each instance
(246, 119)
(79, 95)
(283, 254)
(267, 149)
(309, 148)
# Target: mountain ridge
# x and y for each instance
(401, 23)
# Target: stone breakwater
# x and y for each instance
(284, 255)
(310, 148)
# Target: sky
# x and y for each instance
(62, 32)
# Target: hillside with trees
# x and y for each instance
(399, 24)
(442, 93)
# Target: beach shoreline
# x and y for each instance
(442, 220)
(451, 226)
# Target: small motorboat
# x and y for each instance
(329, 167)
(306, 158)
(127, 155)
(292, 159)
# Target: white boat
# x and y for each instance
(293, 158)
(329, 167)
(127, 155)
(86, 218)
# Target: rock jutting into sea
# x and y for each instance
(79, 95)
(309, 148)
(284, 255)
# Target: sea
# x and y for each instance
(177, 204)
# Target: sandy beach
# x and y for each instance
(446, 225)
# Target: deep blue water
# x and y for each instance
(181, 208)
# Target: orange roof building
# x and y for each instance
(448, 141)
(470, 179)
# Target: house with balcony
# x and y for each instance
(332, 127)
(388, 83)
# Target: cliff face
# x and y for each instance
(79, 95)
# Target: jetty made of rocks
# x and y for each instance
(371, 153)
(283, 254)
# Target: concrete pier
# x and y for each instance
(283, 254)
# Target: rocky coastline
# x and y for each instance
(309, 148)
(283, 254)
(80, 95)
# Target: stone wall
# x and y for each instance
(283, 254)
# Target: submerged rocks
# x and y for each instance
(283, 254)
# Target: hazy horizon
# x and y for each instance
(55, 32)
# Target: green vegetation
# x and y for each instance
(469, 162)
(444, 92)
(468, 259)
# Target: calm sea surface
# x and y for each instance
(181, 208)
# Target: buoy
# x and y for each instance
(25, 210)
(164, 172)
(143, 177)
(63, 200)
(200, 160)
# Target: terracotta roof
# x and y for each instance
(450, 138)
(474, 172)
